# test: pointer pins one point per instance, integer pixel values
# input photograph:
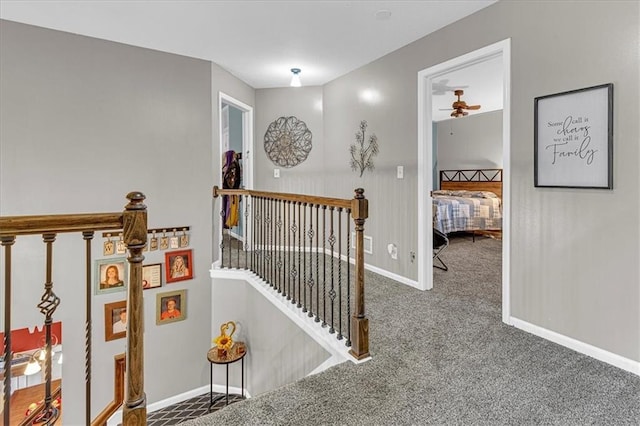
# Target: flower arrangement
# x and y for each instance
(224, 341)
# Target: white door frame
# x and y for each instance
(425, 162)
(247, 154)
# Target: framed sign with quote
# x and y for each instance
(573, 138)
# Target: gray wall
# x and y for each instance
(305, 103)
(84, 122)
(260, 324)
(470, 142)
(563, 278)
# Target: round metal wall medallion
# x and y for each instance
(287, 141)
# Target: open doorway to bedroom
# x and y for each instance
(236, 168)
(465, 147)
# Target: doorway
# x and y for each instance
(236, 134)
(426, 80)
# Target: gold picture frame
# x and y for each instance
(171, 306)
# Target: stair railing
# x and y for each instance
(301, 246)
(133, 222)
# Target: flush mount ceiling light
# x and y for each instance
(295, 79)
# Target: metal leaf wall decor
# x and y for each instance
(362, 152)
(287, 141)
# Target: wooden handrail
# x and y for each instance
(309, 199)
(30, 225)
(118, 392)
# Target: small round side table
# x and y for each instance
(216, 356)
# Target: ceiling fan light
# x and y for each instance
(295, 79)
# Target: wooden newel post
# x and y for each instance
(134, 227)
(359, 323)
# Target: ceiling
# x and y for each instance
(259, 41)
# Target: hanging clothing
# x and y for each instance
(231, 179)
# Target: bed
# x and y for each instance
(469, 200)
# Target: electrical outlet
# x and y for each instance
(400, 172)
(276, 173)
(412, 256)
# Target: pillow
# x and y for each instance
(441, 192)
(473, 194)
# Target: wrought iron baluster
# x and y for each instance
(311, 281)
(332, 291)
(222, 236)
(304, 258)
(245, 245)
(279, 263)
(287, 252)
(48, 304)
(269, 247)
(324, 266)
(294, 272)
(300, 265)
(340, 218)
(317, 263)
(87, 236)
(7, 242)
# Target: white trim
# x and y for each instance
(247, 155)
(425, 161)
(578, 346)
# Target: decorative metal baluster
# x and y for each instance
(317, 263)
(239, 239)
(246, 233)
(262, 236)
(87, 236)
(48, 304)
(311, 282)
(279, 263)
(287, 240)
(339, 336)
(293, 273)
(7, 242)
(272, 226)
(273, 243)
(348, 342)
(332, 291)
(222, 238)
(304, 258)
(268, 250)
(324, 266)
(300, 265)
(229, 242)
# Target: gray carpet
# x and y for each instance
(445, 357)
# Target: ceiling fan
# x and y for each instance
(460, 106)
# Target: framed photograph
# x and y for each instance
(152, 276)
(573, 139)
(110, 275)
(115, 320)
(171, 306)
(179, 265)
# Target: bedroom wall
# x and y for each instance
(562, 277)
(470, 142)
(76, 114)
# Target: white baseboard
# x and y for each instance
(578, 346)
(116, 419)
(391, 275)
